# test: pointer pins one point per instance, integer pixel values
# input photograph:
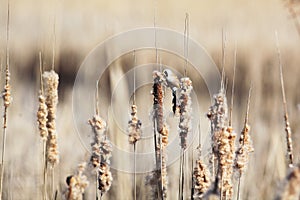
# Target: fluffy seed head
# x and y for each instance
(42, 117)
(51, 94)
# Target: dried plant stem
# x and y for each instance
(232, 89)
(134, 174)
(245, 147)
(186, 42)
(6, 95)
(52, 183)
(44, 171)
(42, 122)
(289, 141)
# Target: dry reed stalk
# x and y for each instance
(290, 186)
(6, 95)
(51, 94)
(101, 153)
(42, 114)
(134, 130)
(164, 175)
(76, 184)
(245, 147)
(185, 125)
(158, 126)
(161, 140)
(232, 89)
(289, 141)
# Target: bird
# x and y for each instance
(173, 83)
(171, 79)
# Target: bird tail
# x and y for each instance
(174, 101)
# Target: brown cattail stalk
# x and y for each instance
(6, 95)
(201, 179)
(185, 125)
(158, 124)
(217, 115)
(201, 176)
(245, 147)
(51, 94)
(134, 126)
(134, 130)
(76, 184)
(289, 141)
(42, 114)
(160, 140)
(101, 153)
(226, 148)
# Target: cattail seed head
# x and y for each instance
(185, 125)
(101, 153)
(158, 97)
(6, 94)
(98, 126)
(226, 147)
(201, 179)
(104, 178)
(42, 117)
(134, 126)
(51, 94)
(245, 148)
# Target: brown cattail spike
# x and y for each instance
(42, 118)
(289, 141)
(51, 94)
(134, 126)
(201, 179)
(226, 148)
(101, 153)
(185, 110)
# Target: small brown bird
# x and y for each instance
(173, 83)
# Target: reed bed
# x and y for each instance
(220, 175)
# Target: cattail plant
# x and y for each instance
(101, 153)
(289, 141)
(76, 184)
(51, 100)
(226, 151)
(201, 176)
(42, 114)
(51, 94)
(134, 130)
(6, 95)
(245, 144)
(160, 140)
(217, 115)
(185, 110)
(185, 124)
